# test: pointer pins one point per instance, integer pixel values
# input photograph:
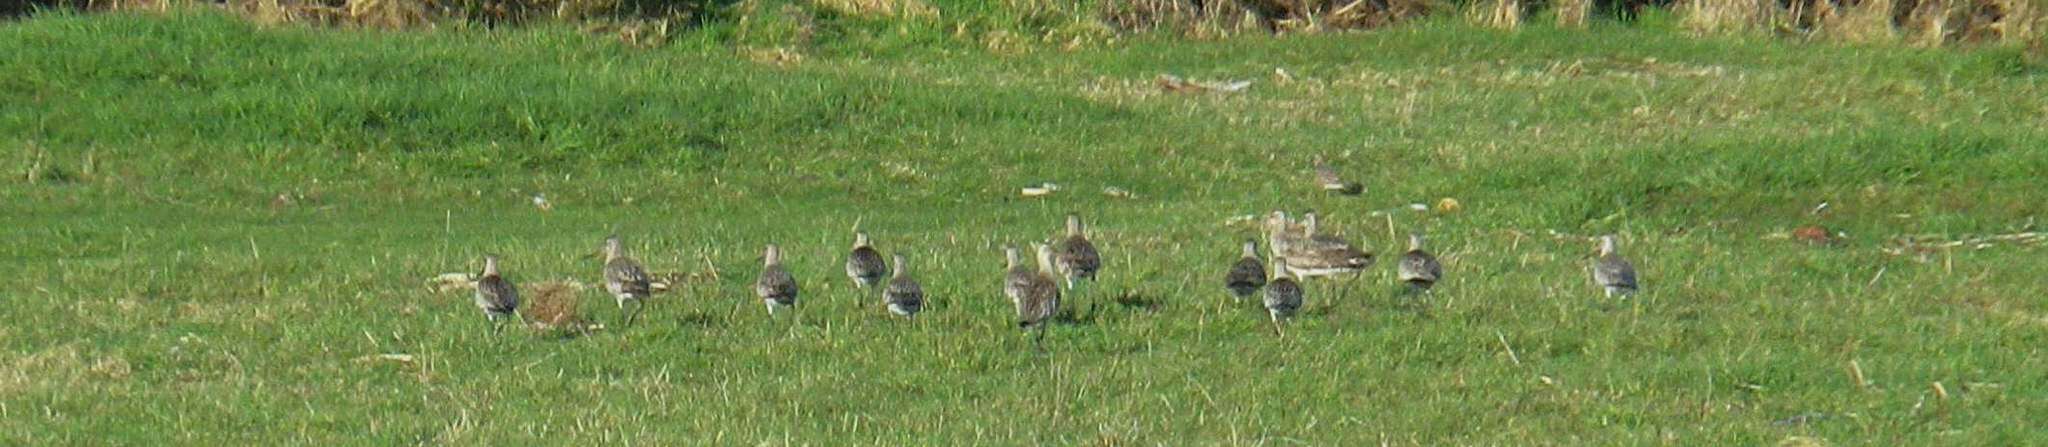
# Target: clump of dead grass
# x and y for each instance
(1730, 16)
(1501, 14)
(1217, 19)
(881, 8)
(1868, 21)
(553, 307)
(1572, 13)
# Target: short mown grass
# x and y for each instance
(160, 291)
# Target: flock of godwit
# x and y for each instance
(1298, 250)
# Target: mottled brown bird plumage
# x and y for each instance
(864, 264)
(903, 295)
(624, 278)
(497, 296)
(1312, 253)
(1419, 269)
(1327, 178)
(1248, 274)
(776, 286)
(1039, 298)
(1077, 258)
(1614, 273)
(1283, 295)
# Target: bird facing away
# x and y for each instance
(1283, 295)
(1328, 179)
(903, 294)
(1248, 274)
(624, 278)
(1077, 259)
(864, 265)
(1312, 253)
(1040, 298)
(1612, 271)
(1017, 277)
(1419, 269)
(494, 294)
(776, 286)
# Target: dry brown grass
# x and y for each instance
(779, 33)
(1862, 22)
(1572, 13)
(1730, 16)
(2020, 21)
(1215, 19)
(881, 8)
(1502, 14)
(553, 306)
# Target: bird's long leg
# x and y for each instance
(1277, 330)
(626, 315)
(1039, 341)
(638, 305)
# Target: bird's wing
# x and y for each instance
(1248, 271)
(1416, 265)
(1080, 254)
(905, 289)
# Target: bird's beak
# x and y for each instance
(591, 255)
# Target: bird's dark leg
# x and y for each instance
(638, 305)
(1039, 341)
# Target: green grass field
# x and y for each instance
(155, 294)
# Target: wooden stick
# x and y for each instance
(1511, 349)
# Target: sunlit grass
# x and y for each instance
(159, 291)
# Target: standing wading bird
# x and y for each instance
(624, 278)
(1077, 259)
(1017, 277)
(1039, 298)
(864, 264)
(1613, 272)
(1419, 269)
(1248, 274)
(1328, 179)
(496, 295)
(903, 294)
(776, 286)
(1283, 296)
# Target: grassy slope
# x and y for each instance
(155, 294)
